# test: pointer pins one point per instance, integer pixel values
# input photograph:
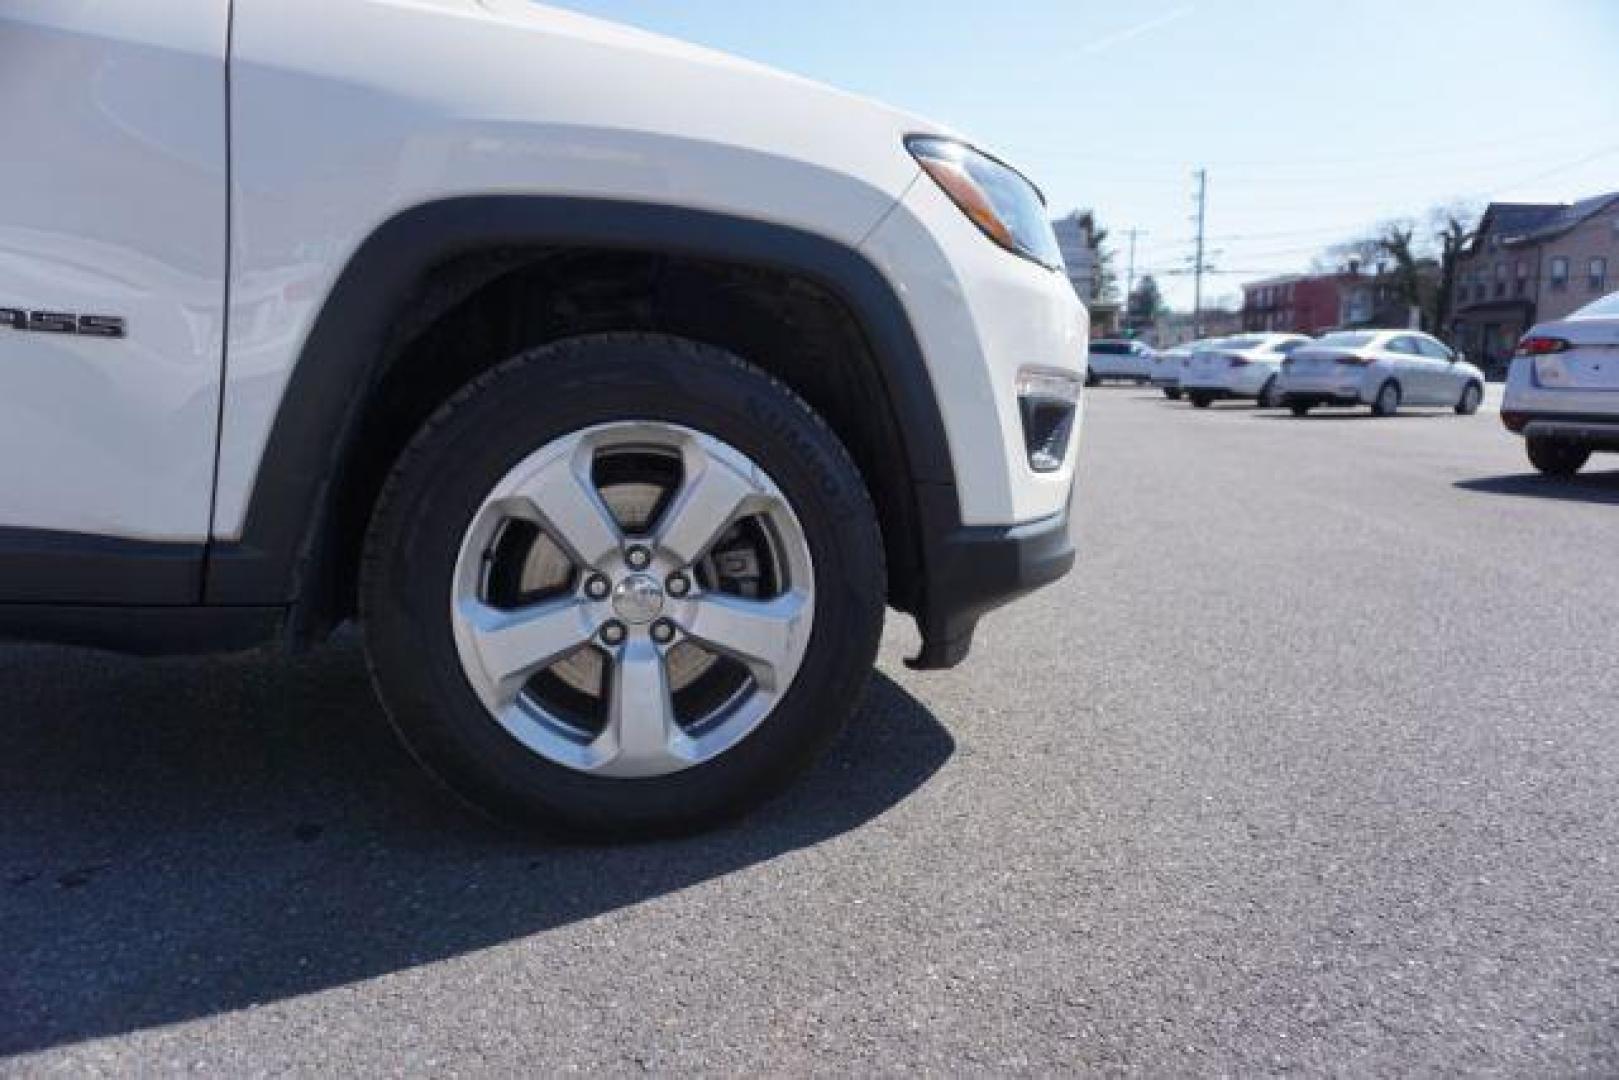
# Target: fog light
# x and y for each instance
(1048, 403)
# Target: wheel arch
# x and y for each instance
(420, 267)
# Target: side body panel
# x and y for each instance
(396, 105)
(112, 204)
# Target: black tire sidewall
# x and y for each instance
(492, 426)
(1472, 399)
(1378, 408)
(1557, 459)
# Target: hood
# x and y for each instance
(601, 32)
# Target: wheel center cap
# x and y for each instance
(638, 599)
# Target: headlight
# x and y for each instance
(1008, 208)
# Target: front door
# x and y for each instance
(112, 269)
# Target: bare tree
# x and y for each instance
(1451, 225)
(1399, 247)
(1396, 240)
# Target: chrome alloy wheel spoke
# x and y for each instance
(588, 670)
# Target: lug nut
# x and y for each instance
(663, 631)
(598, 587)
(678, 585)
(639, 558)
(612, 633)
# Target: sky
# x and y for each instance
(1315, 119)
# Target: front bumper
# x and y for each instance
(983, 317)
(975, 569)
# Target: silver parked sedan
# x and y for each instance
(1381, 368)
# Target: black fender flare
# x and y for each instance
(346, 353)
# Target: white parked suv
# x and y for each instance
(1119, 361)
(1562, 391)
(612, 385)
(1381, 368)
(1245, 366)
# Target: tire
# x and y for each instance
(1387, 402)
(1172, 394)
(1267, 395)
(422, 551)
(1556, 458)
(1299, 408)
(1091, 378)
(1199, 401)
(1472, 398)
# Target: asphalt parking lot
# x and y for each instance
(1312, 765)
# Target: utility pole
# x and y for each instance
(1197, 268)
(1129, 277)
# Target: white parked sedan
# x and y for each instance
(1381, 368)
(1119, 361)
(1563, 390)
(1246, 366)
(1167, 365)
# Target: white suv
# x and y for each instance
(1119, 361)
(1562, 392)
(1381, 368)
(613, 385)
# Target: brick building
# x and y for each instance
(1314, 303)
(1295, 303)
(1529, 263)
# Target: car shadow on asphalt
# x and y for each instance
(1591, 487)
(184, 838)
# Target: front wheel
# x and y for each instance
(622, 585)
(1299, 408)
(1472, 398)
(1200, 401)
(1387, 402)
(1270, 396)
(1557, 458)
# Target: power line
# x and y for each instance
(1294, 159)
(1349, 230)
(1319, 230)
(1557, 170)
(1320, 180)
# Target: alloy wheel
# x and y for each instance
(633, 600)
